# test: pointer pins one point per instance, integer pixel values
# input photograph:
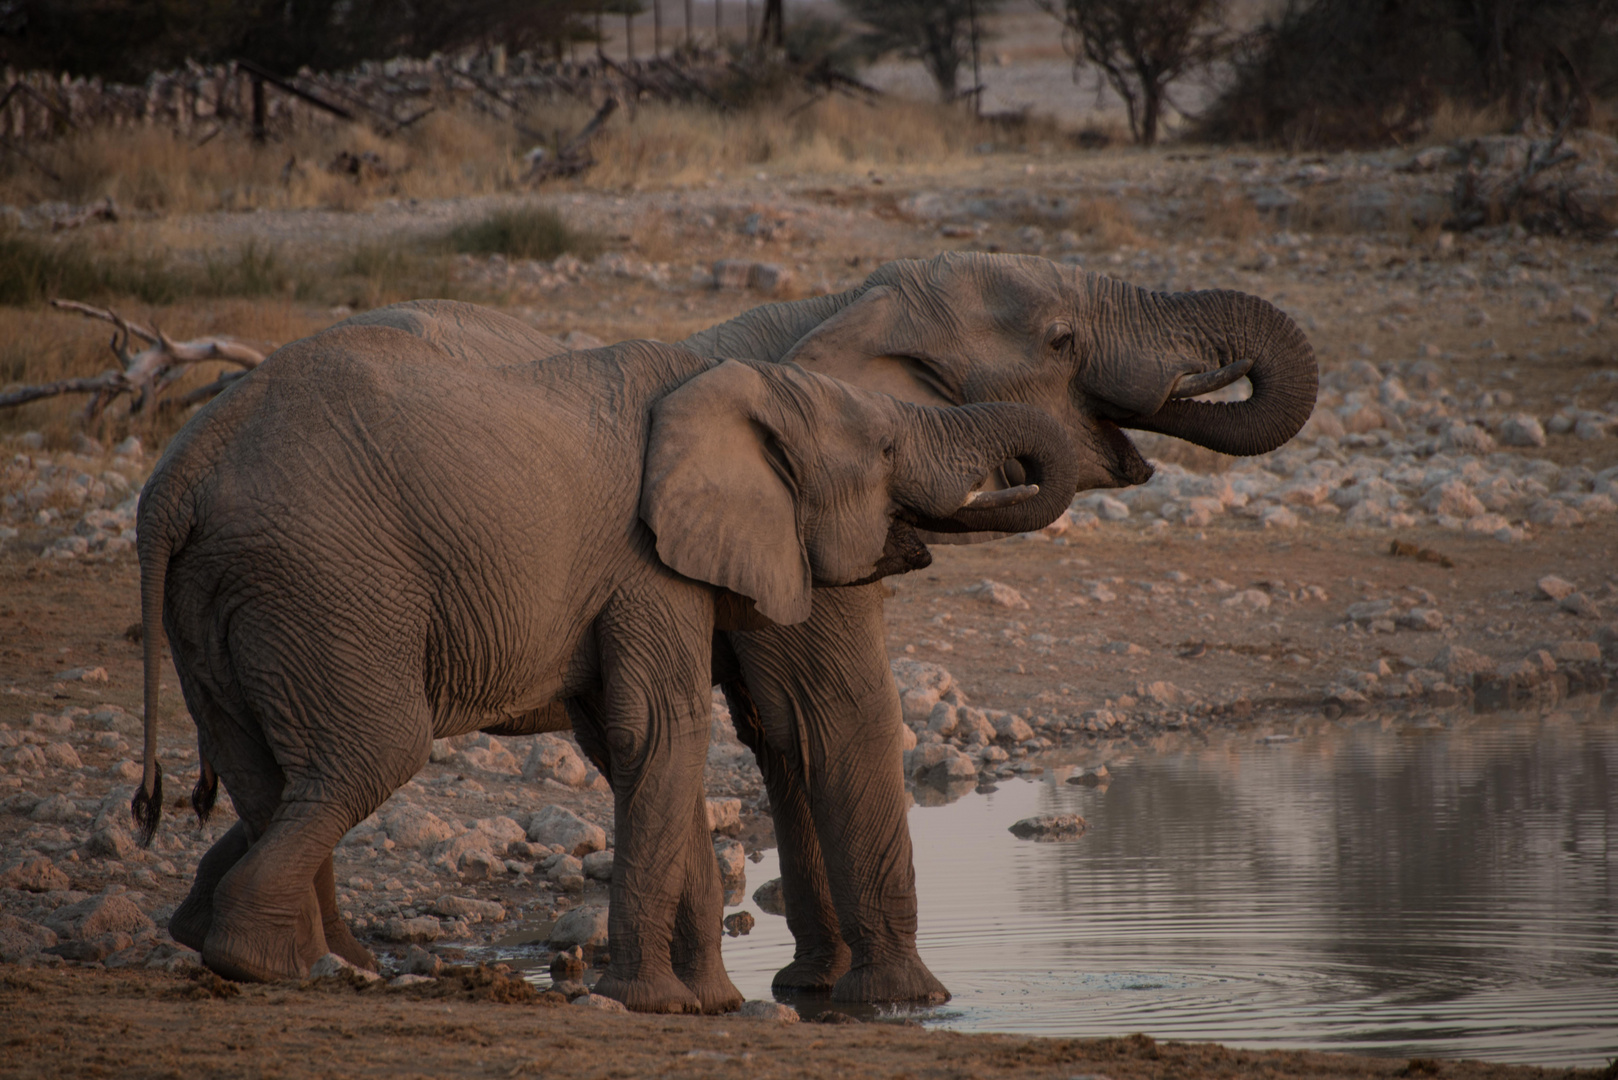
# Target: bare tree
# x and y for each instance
(939, 33)
(1141, 47)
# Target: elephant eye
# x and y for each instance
(887, 450)
(1062, 342)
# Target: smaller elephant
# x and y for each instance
(375, 540)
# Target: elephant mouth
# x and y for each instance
(902, 552)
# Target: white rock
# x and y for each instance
(415, 827)
(332, 964)
(732, 860)
(555, 825)
(772, 1011)
(996, 593)
(724, 816)
(600, 1003)
(553, 758)
(582, 926)
(1521, 429)
(597, 866)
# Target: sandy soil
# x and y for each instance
(94, 1023)
(1225, 593)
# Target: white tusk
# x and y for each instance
(999, 500)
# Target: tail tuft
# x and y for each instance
(205, 793)
(147, 808)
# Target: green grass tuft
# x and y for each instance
(530, 232)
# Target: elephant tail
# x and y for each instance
(206, 791)
(147, 805)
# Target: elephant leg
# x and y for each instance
(268, 923)
(191, 920)
(653, 716)
(695, 949)
(819, 956)
(828, 704)
(339, 938)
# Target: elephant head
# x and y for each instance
(769, 480)
(1097, 354)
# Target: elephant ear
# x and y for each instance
(719, 494)
(871, 344)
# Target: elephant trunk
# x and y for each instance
(949, 455)
(1208, 340)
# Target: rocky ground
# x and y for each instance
(1441, 536)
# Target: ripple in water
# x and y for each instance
(1389, 889)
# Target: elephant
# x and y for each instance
(385, 535)
(816, 700)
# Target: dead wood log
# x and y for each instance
(574, 156)
(143, 374)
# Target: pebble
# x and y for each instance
(597, 865)
(38, 875)
(724, 816)
(773, 1011)
(732, 860)
(1582, 605)
(998, 594)
(604, 1004)
(332, 965)
(1049, 827)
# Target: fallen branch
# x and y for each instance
(143, 374)
(574, 157)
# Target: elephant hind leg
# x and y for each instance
(191, 921)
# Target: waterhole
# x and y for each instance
(1421, 886)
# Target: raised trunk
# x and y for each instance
(945, 456)
(1219, 335)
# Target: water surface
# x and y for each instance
(1434, 887)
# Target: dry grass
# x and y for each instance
(1230, 215)
(40, 345)
(1105, 222)
(153, 170)
(460, 153)
(1454, 120)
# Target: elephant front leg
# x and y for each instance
(828, 705)
(653, 717)
(695, 949)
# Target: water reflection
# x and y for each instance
(1396, 887)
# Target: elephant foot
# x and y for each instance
(342, 942)
(716, 992)
(815, 974)
(191, 921)
(268, 950)
(892, 980)
(657, 994)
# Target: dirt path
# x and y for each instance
(93, 1023)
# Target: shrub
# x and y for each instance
(529, 232)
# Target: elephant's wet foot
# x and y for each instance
(661, 993)
(905, 979)
(816, 973)
(715, 990)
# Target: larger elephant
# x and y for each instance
(381, 537)
(816, 701)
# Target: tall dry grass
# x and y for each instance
(457, 153)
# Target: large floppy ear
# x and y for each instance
(720, 495)
(872, 345)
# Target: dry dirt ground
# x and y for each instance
(1468, 415)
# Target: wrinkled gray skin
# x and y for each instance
(816, 700)
(384, 535)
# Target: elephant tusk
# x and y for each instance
(1189, 386)
(998, 500)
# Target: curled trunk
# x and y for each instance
(947, 456)
(1218, 336)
